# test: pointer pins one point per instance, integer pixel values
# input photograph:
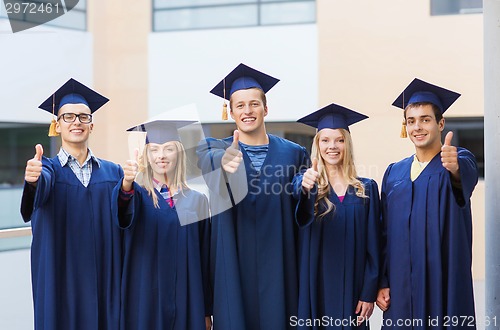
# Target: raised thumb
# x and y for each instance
(236, 139)
(38, 152)
(136, 155)
(315, 164)
(448, 138)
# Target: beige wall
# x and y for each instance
(120, 30)
(370, 50)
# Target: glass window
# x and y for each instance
(2, 10)
(288, 12)
(15, 243)
(76, 18)
(73, 19)
(158, 4)
(169, 15)
(453, 7)
(17, 145)
(305, 140)
(469, 133)
(205, 17)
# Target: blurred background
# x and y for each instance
(151, 56)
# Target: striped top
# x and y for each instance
(257, 154)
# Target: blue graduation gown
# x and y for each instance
(76, 249)
(428, 247)
(165, 275)
(339, 256)
(253, 254)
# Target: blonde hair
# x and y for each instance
(348, 171)
(178, 182)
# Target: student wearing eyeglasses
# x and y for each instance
(75, 252)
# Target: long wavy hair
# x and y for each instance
(348, 171)
(145, 177)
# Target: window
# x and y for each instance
(171, 15)
(469, 133)
(73, 13)
(302, 139)
(453, 7)
(17, 145)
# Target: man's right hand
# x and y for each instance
(232, 156)
(384, 299)
(34, 166)
(311, 176)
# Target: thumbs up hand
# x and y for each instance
(232, 156)
(311, 176)
(34, 166)
(449, 154)
(130, 170)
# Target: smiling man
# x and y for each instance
(253, 251)
(75, 253)
(426, 278)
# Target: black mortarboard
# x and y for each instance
(161, 131)
(73, 92)
(421, 91)
(243, 77)
(332, 116)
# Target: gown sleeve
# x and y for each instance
(304, 211)
(468, 176)
(227, 189)
(383, 280)
(372, 265)
(34, 197)
(204, 234)
(125, 214)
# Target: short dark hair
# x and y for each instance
(262, 96)
(437, 112)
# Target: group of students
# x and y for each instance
(137, 248)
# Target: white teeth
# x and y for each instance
(246, 120)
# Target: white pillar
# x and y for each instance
(491, 10)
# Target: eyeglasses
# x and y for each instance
(84, 118)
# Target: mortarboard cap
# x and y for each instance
(73, 92)
(421, 91)
(161, 131)
(243, 77)
(332, 116)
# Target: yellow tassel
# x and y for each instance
(224, 111)
(52, 128)
(403, 135)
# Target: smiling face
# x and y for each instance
(162, 159)
(331, 146)
(423, 129)
(74, 133)
(248, 110)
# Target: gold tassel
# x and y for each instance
(52, 128)
(224, 111)
(224, 105)
(403, 135)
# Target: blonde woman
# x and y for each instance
(166, 238)
(338, 213)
